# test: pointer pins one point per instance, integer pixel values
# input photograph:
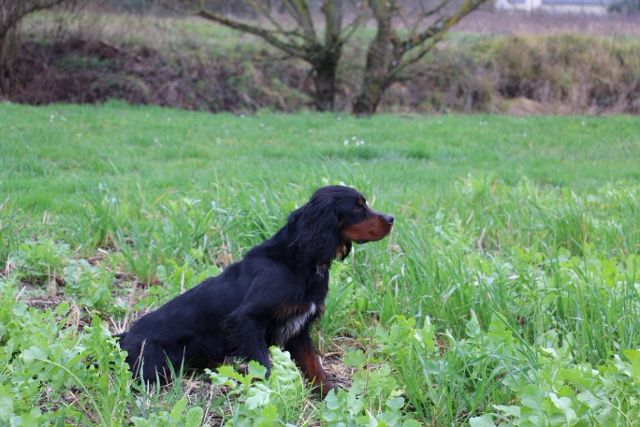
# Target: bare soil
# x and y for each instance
(88, 71)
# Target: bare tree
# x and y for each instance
(298, 37)
(390, 53)
(11, 13)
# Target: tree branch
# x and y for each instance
(351, 28)
(270, 37)
(427, 13)
(443, 24)
(434, 33)
(265, 11)
(332, 10)
(20, 10)
(299, 11)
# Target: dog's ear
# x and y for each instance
(317, 229)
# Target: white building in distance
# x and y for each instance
(597, 7)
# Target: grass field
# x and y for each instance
(507, 294)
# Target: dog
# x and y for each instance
(271, 297)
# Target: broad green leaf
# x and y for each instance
(6, 405)
(256, 370)
(395, 403)
(178, 409)
(485, 420)
(426, 336)
(589, 399)
(472, 328)
(634, 358)
(62, 308)
(331, 401)
(564, 405)
(258, 395)
(369, 420)
(354, 358)
(33, 353)
(194, 416)
(230, 372)
(268, 417)
(513, 411)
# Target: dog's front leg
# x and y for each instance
(246, 337)
(301, 349)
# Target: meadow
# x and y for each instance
(507, 294)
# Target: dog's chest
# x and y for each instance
(292, 320)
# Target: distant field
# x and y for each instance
(508, 293)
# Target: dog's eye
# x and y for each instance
(357, 209)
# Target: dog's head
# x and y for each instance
(334, 217)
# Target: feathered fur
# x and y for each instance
(270, 297)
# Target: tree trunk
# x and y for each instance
(325, 71)
(11, 13)
(302, 42)
(369, 98)
(8, 51)
(386, 53)
(374, 81)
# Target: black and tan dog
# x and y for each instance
(270, 297)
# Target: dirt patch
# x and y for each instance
(523, 107)
(45, 302)
(87, 71)
(337, 373)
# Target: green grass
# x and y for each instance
(507, 293)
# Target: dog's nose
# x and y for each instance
(388, 219)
